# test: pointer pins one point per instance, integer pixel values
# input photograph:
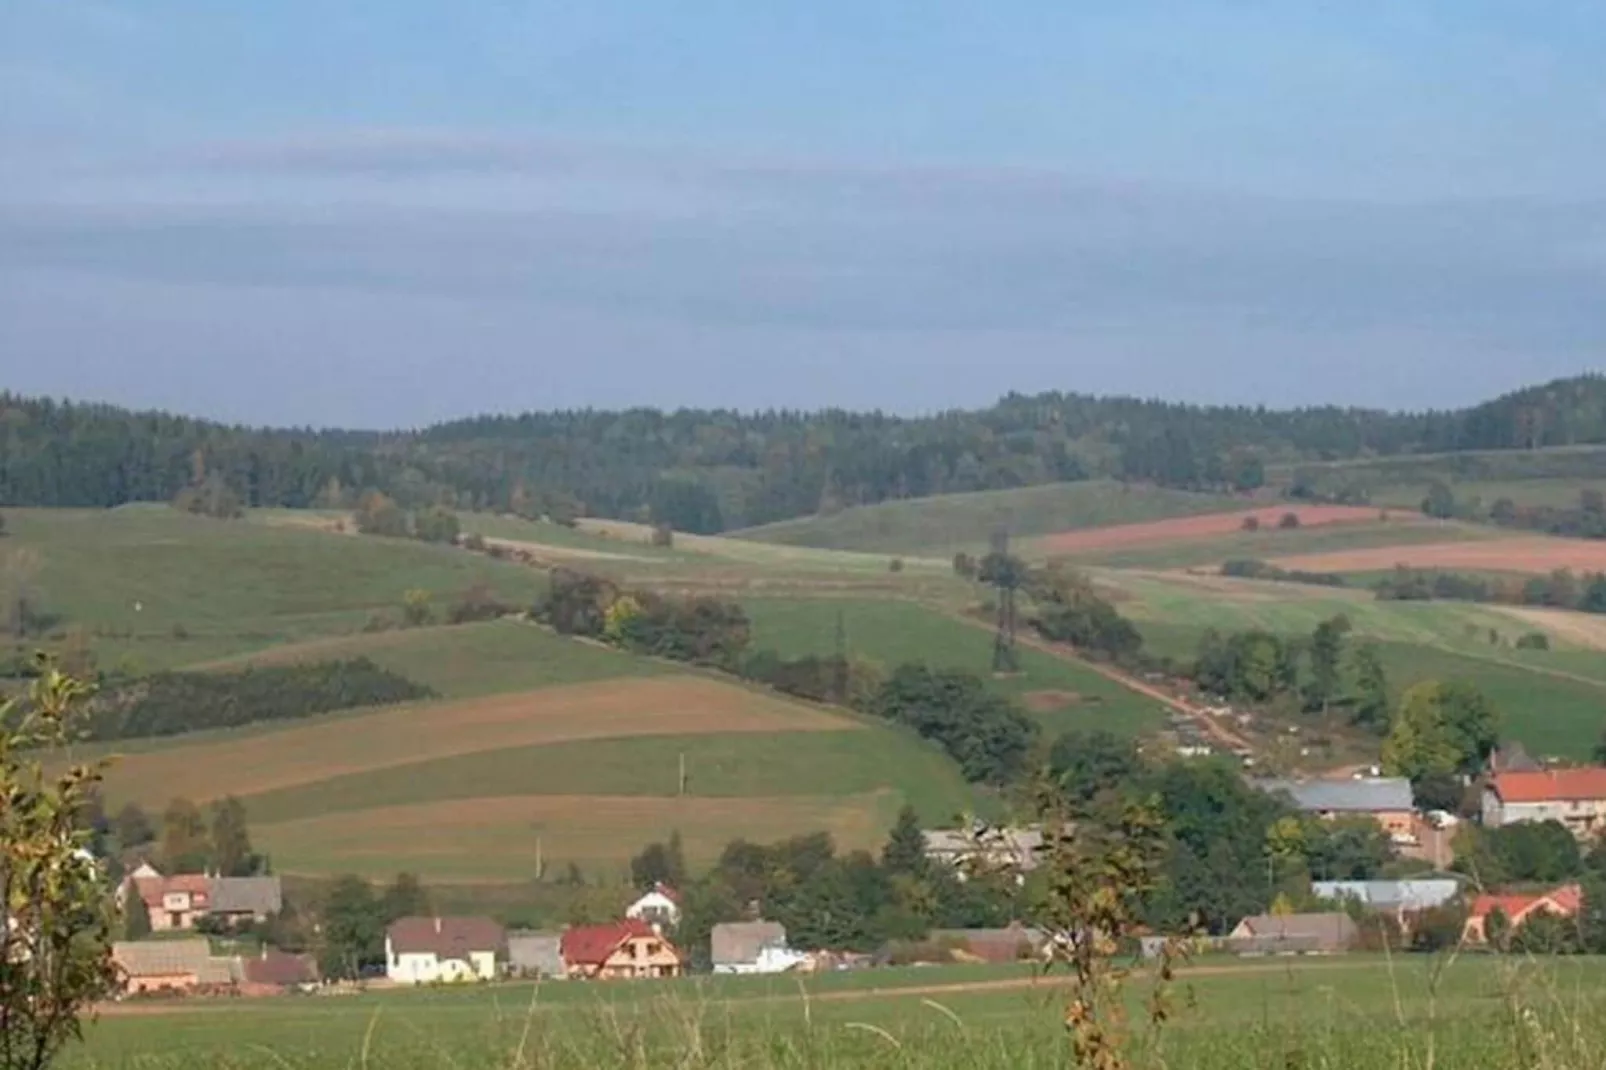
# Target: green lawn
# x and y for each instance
(1352, 1012)
(892, 632)
(940, 525)
(165, 588)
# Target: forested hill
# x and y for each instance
(708, 470)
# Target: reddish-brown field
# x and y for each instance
(310, 752)
(1208, 526)
(1536, 554)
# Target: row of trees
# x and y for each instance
(169, 703)
(1562, 589)
(1584, 520)
(1314, 673)
(1250, 568)
(701, 470)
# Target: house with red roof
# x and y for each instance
(1574, 797)
(1564, 902)
(628, 949)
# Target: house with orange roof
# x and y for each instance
(1564, 902)
(632, 948)
(1574, 797)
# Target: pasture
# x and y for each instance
(1355, 1011)
(940, 525)
(1061, 693)
(161, 588)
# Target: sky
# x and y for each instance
(384, 214)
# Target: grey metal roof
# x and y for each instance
(246, 895)
(1391, 895)
(531, 951)
(735, 942)
(1367, 795)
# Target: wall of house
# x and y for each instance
(1584, 817)
(152, 983)
(643, 956)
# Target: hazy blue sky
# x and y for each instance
(390, 212)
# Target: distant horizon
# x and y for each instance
(395, 215)
(754, 412)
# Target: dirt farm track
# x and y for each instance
(1530, 554)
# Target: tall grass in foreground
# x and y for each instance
(1525, 1018)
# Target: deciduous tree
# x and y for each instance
(56, 909)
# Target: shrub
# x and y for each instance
(1288, 521)
(474, 541)
(1533, 641)
(895, 565)
(477, 602)
(1251, 523)
(663, 535)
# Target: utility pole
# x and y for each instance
(841, 681)
(682, 787)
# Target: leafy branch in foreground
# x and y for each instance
(1099, 871)
(56, 914)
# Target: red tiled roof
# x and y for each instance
(1585, 783)
(1567, 900)
(590, 945)
(151, 889)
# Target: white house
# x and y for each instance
(428, 950)
(1574, 797)
(752, 947)
(659, 906)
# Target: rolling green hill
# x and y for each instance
(946, 523)
(166, 589)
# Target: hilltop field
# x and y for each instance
(545, 751)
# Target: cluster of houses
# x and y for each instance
(429, 950)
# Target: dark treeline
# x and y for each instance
(169, 703)
(1249, 568)
(708, 470)
(1561, 589)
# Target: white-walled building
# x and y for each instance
(421, 951)
(660, 906)
(752, 947)
(1574, 797)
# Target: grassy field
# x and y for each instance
(1542, 476)
(467, 660)
(1356, 1013)
(940, 525)
(893, 632)
(163, 588)
(1200, 601)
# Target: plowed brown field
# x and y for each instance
(1527, 554)
(1185, 528)
(307, 753)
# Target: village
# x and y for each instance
(179, 958)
